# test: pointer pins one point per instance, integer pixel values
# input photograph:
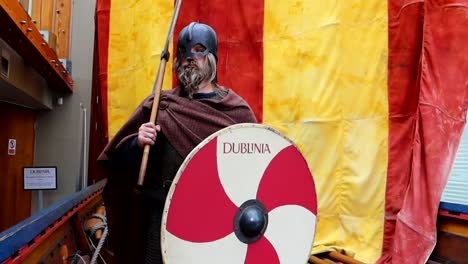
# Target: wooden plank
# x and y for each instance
(50, 244)
(81, 216)
(329, 261)
(453, 225)
(315, 260)
(343, 258)
(47, 15)
(62, 27)
(451, 247)
(36, 13)
(22, 35)
(81, 240)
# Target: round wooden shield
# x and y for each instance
(243, 195)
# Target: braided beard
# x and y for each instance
(191, 77)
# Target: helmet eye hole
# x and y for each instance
(198, 48)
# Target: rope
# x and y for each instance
(99, 246)
(100, 216)
(92, 230)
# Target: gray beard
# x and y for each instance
(192, 77)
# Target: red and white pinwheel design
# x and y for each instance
(244, 195)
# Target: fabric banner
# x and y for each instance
(374, 93)
(427, 91)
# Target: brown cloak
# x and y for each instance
(185, 123)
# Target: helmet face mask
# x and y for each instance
(193, 34)
(186, 52)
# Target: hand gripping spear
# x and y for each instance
(157, 89)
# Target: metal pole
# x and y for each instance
(85, 152)
(83, 181)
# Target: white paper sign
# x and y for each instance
(11, 147)
(40, 178)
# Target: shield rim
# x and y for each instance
(194, 152)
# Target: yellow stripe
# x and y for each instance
(138, 30)
(325, 70)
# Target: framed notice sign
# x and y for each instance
(40, 178)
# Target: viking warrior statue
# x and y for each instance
(196, 108)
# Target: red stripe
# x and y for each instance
(102, 26)
(427, 101)
(405, 41)
(99, 135)
(240, 32)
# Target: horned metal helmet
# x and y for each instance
(193, 34)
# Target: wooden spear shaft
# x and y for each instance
(157, 89)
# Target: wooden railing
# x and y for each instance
(53, 17)
(22, 33)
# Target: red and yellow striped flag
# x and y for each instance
(373, 92)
